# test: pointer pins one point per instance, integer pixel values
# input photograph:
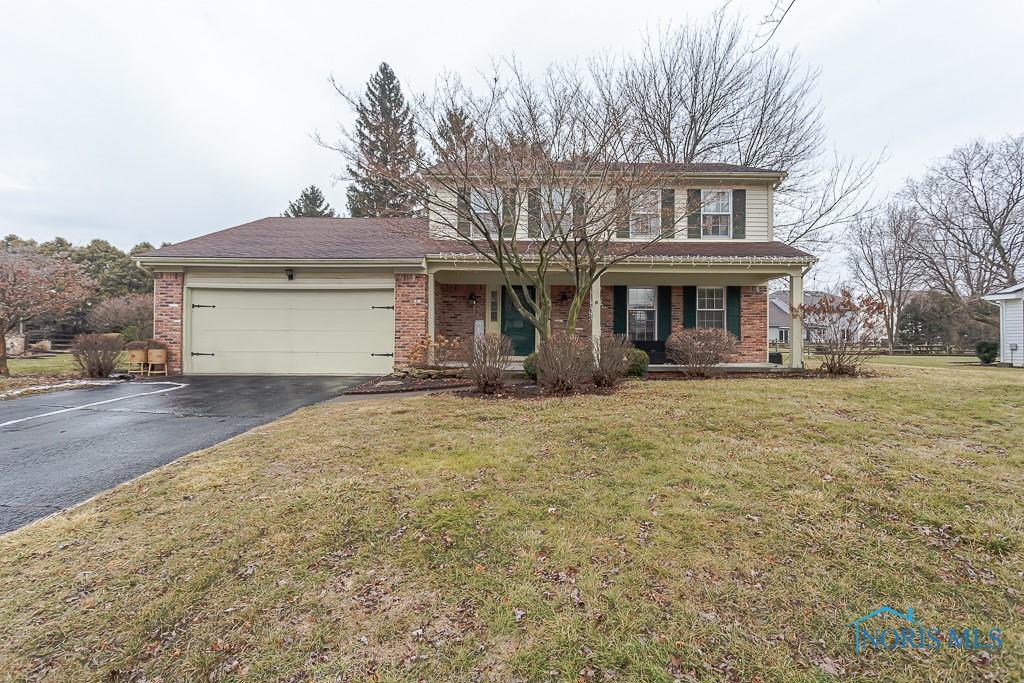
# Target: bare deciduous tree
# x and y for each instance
(882, 259)
(701, 94)
(971, 205)
(33, 285)
(536, 177)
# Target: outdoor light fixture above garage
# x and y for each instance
(289, 273)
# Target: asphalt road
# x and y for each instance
(62, 448)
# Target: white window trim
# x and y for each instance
(567, 211)
(655, 309)
(657, 213)
(723, 309)
(703, 206)
(474, 230)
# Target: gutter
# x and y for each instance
(144, 261)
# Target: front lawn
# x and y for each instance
(28, 372)
(704, 530)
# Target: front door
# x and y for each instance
(518, 330)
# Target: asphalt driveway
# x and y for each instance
(62, 448)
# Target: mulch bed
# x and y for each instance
(531, 391)
(395, 385)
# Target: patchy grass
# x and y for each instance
(712, 530)
(27, 372)
(934, 362)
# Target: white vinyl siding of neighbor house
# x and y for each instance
(757, 212)
(1012, 332)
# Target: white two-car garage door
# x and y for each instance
(291, 331)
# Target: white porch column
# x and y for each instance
(430, 318)
(595, 311)
(796, 325)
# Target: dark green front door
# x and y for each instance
(518, 330)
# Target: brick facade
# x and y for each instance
(753, 346)
(454, 314)
(410, 316)
(560, 310)
(168, 296)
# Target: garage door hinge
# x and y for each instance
(389, 355)
(203, 306)
(203, 354)
(390, 308)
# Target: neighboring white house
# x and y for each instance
(779, 318)
(1011, 324)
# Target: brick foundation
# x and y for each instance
(454, 315)
(168, 296)
(410, 317)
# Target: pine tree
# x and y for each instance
(454, 135)
(310, 204)
(385, 140)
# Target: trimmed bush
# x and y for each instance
(564, 363)
(987, 351)
(530, 366)
(639, 361)
(611, 360)
(96, 355)
(701, 348)
(487, 359)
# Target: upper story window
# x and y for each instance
(711, 307)
(487, 206)
(716, 213)
(642, 313)
(645, 218)
(556, 214)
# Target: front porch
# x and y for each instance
(646, 302)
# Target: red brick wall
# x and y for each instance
(753, 346)
(410, 316)
(607, 312)
(168, 296)
(454, 315)
(560, 311)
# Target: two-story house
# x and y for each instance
(360, 296)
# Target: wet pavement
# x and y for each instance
(62, 448)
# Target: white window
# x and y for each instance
(711, 307)
(783, 335)
(716, 213)
(642, 313)
(645, 218)
(486, 205)
(556, 211)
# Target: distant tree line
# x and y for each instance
(949, 237)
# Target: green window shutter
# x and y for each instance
(732, 311)
(689, 306)
(664, 313)
(463, 213)
(668, 213)
(693, 215)
(739, 214)
(579, 209)
(622, 219)
(533, 213)
(619, 309)
(509, 198)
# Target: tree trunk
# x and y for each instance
(4, 370)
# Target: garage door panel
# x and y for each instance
(291, 331)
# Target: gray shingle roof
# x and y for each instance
(401, 238)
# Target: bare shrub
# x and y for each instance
(611, 359)
(131, 316)
(96, 355)
(564, 363)
(487, 358)
(442, 352)
(700, 348)
(846, 329)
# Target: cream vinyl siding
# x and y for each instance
(758, 211)
(289, 331)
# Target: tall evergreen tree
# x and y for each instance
(385, 140)
(454, 134)
(310, 204)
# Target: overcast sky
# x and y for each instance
(155, 121)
